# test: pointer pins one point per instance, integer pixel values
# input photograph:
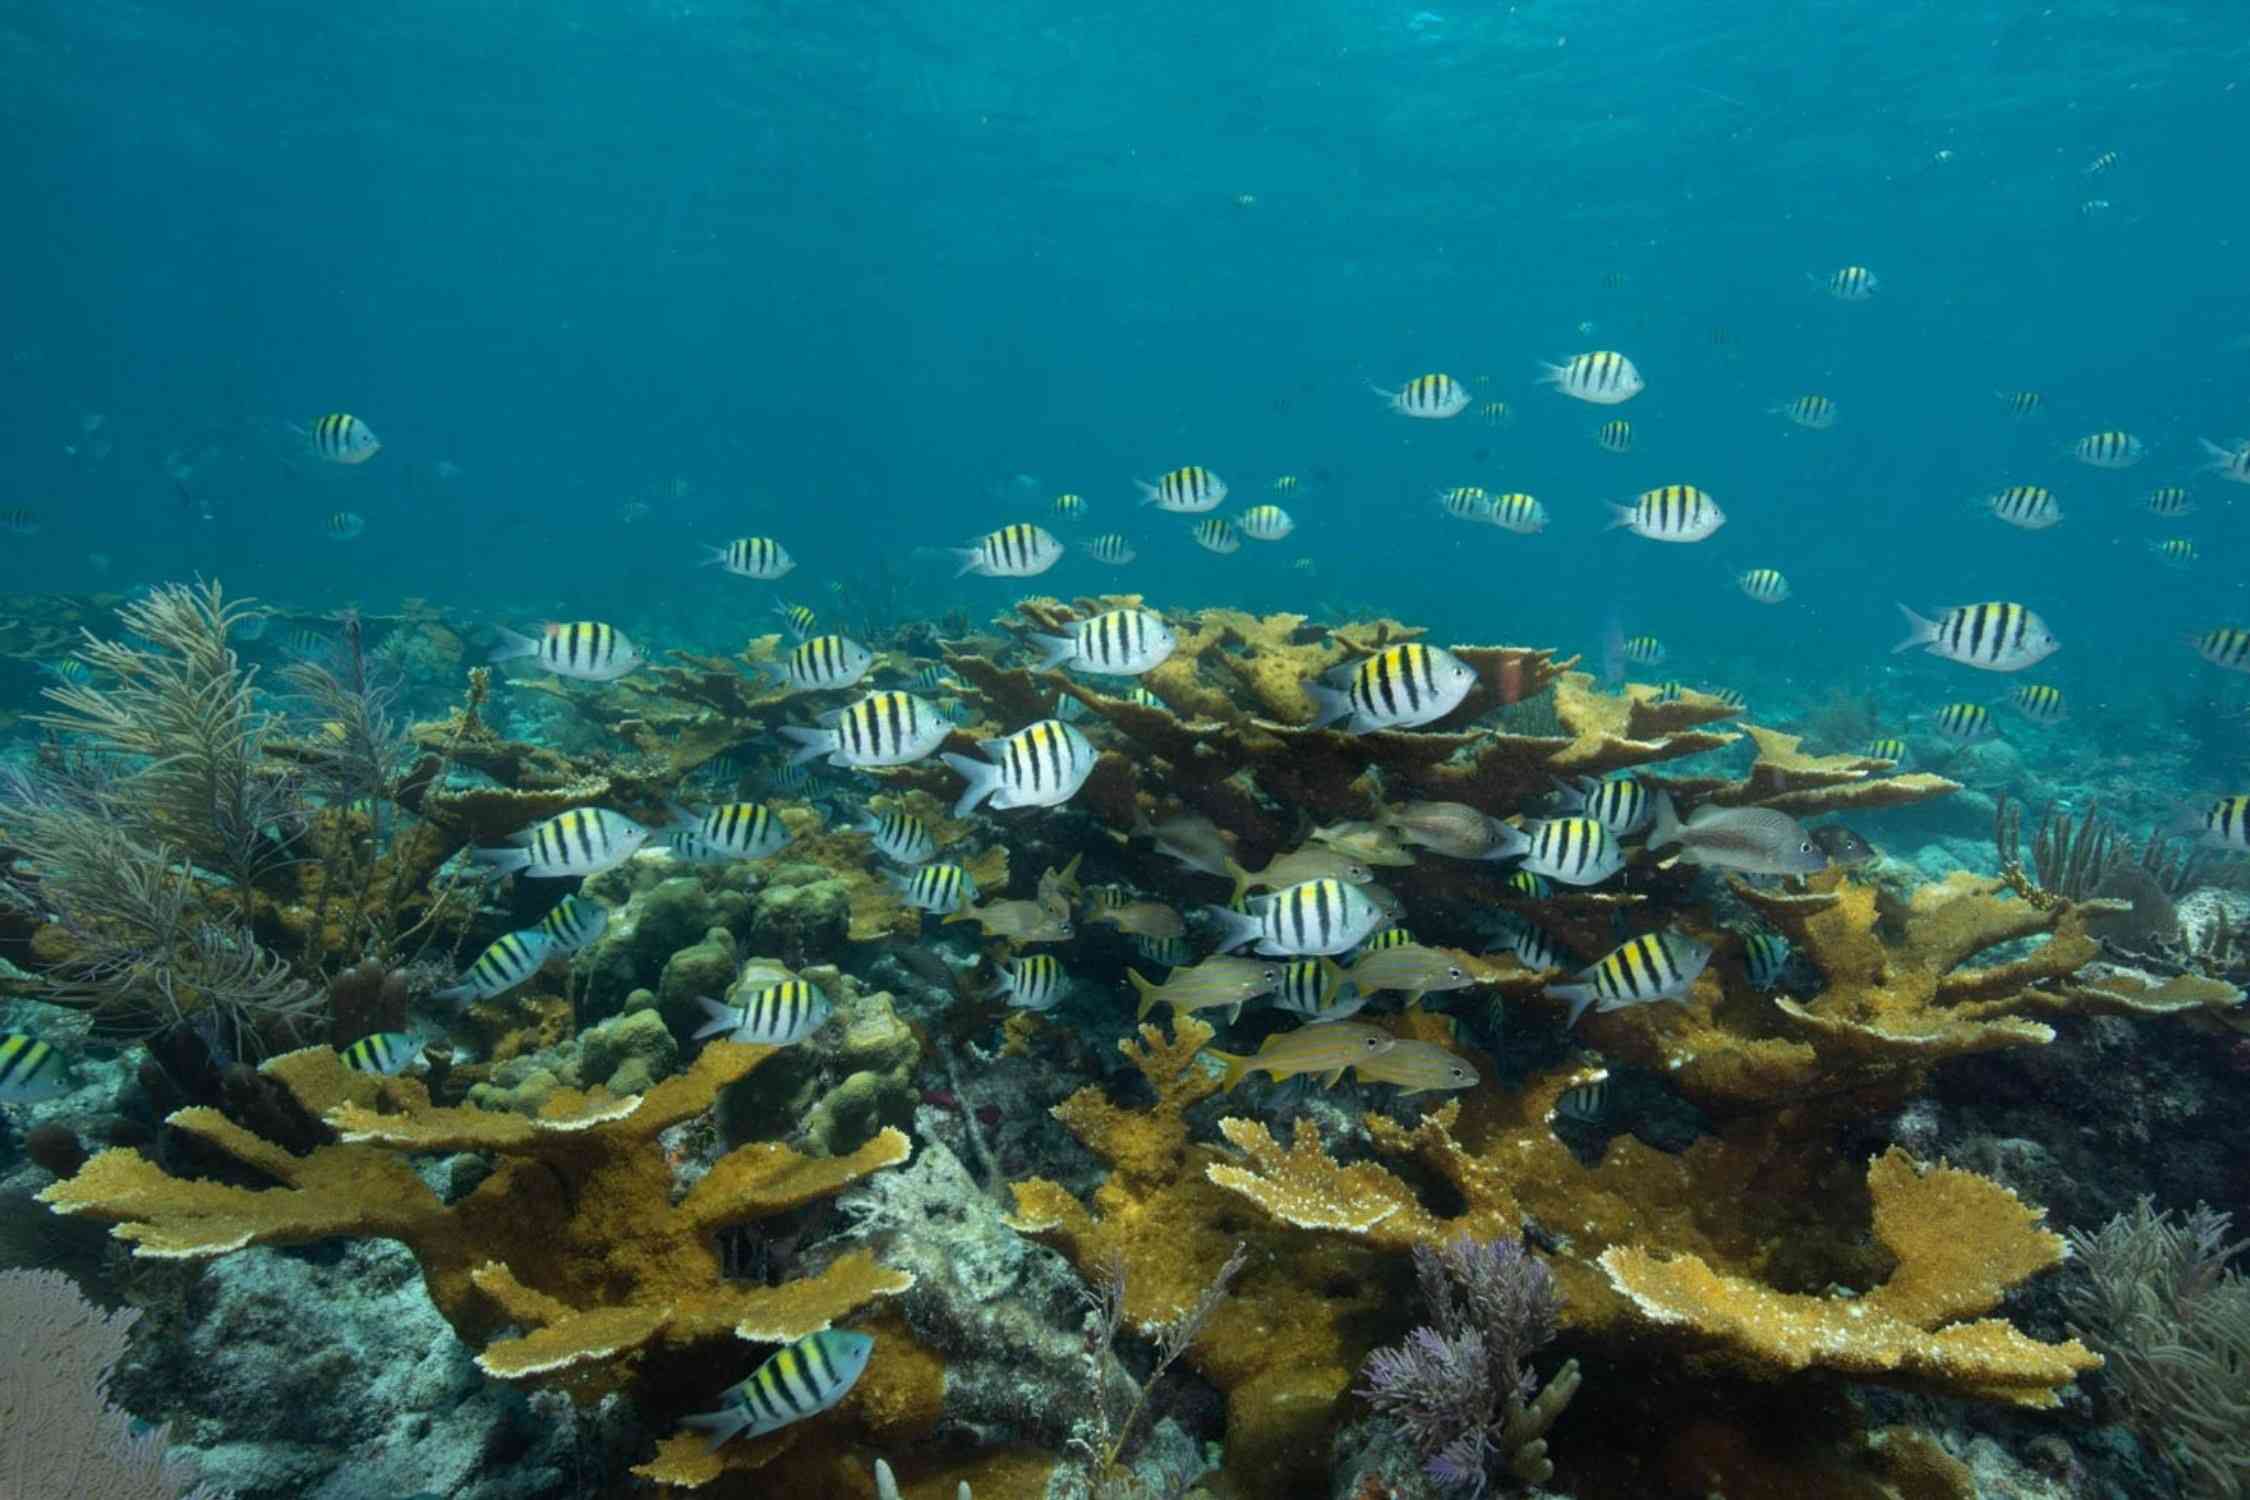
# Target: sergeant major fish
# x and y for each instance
(759, 557)
(587, 649)
(1040, 765)
(1399, 687)
(1188, 491)
(1669, 513)
(1316, 917)
(881, 729)
(1996, 637)
(822, 663)
(1116, 643)
(512, 959)
(1575, 850)
(1603, 377)
(1022, 550)
(804, 1379)
(1435, 396)
(1654, 966)
(940, 888)
(770, 1015)
(899, 836)
(582, 841)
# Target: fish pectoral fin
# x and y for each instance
(1331, 1078)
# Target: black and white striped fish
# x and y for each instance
(585, 649)
(2113, 449)
(1465, 502)
(30, 1069)
(342, 438)
(1171, 952)
(1265, 523)
(1669, 513)
(740, 830)
(2169, 500)
(803, 1380)
(823, 663)
(1615, 436)
(1533, 947)
(2029, 506)
(1020, 550)
(1852, 284)
(771, 1015)
(1893, 750)
(1309, 918)
(2040, 703)
(941, 889)
(1216, 534)
(1996, 637)
(1964, 722)
(1765, 955)
(1034, 981)
(1116, 642)
(2232, 462)
(582, 841)
(1316, 987)
(900, 836)
(1188, 491)
(800, 619)
(2226, 824)
(881, 729)
(2022, 403)
(574, 923)
(1399, 687)
(759, 557)
(1603, 377)
(1040, 765)
(1622, 804)
(1588, 1104)
(2224, 646)
(1766, 585)
(1654, 966)
(1575, 851)
(1435, 396)
(1519, 513)
(1110, 547)
(511, 960)
(1815, 412)
(387, 1052)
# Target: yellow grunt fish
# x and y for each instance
(1325, 1047)
(1411, 967)
(1417, 1067)
(1144, 919)
(1217, 983)
(1024, 921)
(1298, 866)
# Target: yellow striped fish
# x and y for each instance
(1997, 637)
(342, 438)
(1069, 507)
(1215, 535)
(30, 1070)
(2039, 703)
(742, 830)
(943, 889)
(1496, 413)
(1021, 550)
(1324, 1048)
(897, 835)
(2169, 500)
(1188, 491)
(1311, 918)
(1886, 749)
(823, 663)
(1622, 804)
(574, 923)
(510, 961)
(1615, 436)
(1520, 513)
(1575, 851)
(387, 1052)
(2021, 403)
(2176, 551)
(769, 1015)
(759, 557)
(585, 649)
(1966, 722)
(2226, 824)
(802, 622)
(1815, 412)
(1655, 966)
(1265, 523)
(1034, 981)
(803, 1380)
(1465, 502)
(1669, 513)
(1435, 396)
(2026, 505)
(582, 841)
(2113, 449)
(2226, 646)
(1603, 377)
(1285, 485)
(881, 729)
(1852, 284)
(1766, 585)
(1040, 765)
(1316, 987)
(1399, 687)
(2230, 462)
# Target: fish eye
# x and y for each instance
(1453, 971)
(1374, 1044)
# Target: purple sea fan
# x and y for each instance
(1462, 1390)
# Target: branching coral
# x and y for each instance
(573, 1239)
(2156, 1296)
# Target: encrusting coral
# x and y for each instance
(573, 1238)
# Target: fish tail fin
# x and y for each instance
(968, 557)
(1620, 515)
(719, 1018)
(1579, 995)
(512, 645)
(1235, 928)
(1328, 703)
(1238, 1068)
(1059, 649)
(811, 743)
(503, 860)
(1240, 877)
(1666, 828)
(1921, 632)
(983, 779)
(721, 1425)
(1148, 992)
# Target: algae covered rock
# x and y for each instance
(830, 1093)
(628, 1054)
(707, 967)
(802, 914)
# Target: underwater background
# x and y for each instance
(599, 289)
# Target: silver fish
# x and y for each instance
(1754, 840)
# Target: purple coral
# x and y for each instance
(1455, 1387)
